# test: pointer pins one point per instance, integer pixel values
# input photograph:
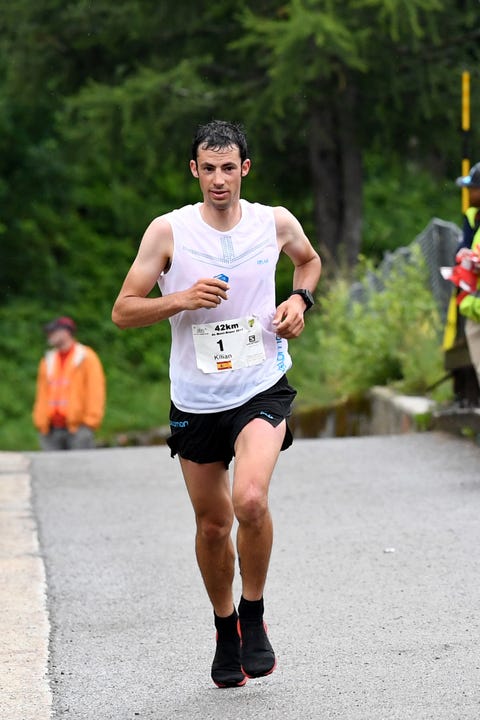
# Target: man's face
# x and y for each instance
(474, 197)
(60, 338)
(220, 173)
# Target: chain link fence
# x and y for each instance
(438, 242)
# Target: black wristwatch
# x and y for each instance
(306, 296)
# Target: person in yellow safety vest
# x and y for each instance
(70, 396)
(470, 305)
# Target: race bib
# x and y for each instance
(228, 345)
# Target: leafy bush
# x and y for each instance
(390, 337)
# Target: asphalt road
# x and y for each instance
(372, 601)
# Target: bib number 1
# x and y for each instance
(228, 345)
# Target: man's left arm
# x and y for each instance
(289, 321)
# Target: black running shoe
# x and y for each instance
(226, 668)
(256, 652)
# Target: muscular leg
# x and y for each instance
(256, 452)
(56, 439)
(83, 439)
(209, 490)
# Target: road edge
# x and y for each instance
(25, 627)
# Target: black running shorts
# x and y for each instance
(210, 437)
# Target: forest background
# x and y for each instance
(352, 110)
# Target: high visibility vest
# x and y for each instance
(473, 217)
(470, 306)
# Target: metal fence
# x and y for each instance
(438, 242)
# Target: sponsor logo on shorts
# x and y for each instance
(178, 423)
(270, 417)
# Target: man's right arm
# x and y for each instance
(133, 308)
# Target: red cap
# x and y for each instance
(61, 322)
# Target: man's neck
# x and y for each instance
(220, 219)
(66, 347)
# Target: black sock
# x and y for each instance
(226, 626)
(250, 609)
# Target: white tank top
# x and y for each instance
(246, 257)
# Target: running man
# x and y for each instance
(215, 262)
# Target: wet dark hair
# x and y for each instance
(219, 135)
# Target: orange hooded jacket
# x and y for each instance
(77, 389)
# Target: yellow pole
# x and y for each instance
(466, 134)
(450, 331)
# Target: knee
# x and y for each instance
(250, 507)
(214, 529)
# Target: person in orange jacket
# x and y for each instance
(70, 396)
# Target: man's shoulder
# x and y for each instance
(84, 352)
(256, 209)
(283, 217)
(250, 204)
(181, 212)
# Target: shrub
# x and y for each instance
(391, 336)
